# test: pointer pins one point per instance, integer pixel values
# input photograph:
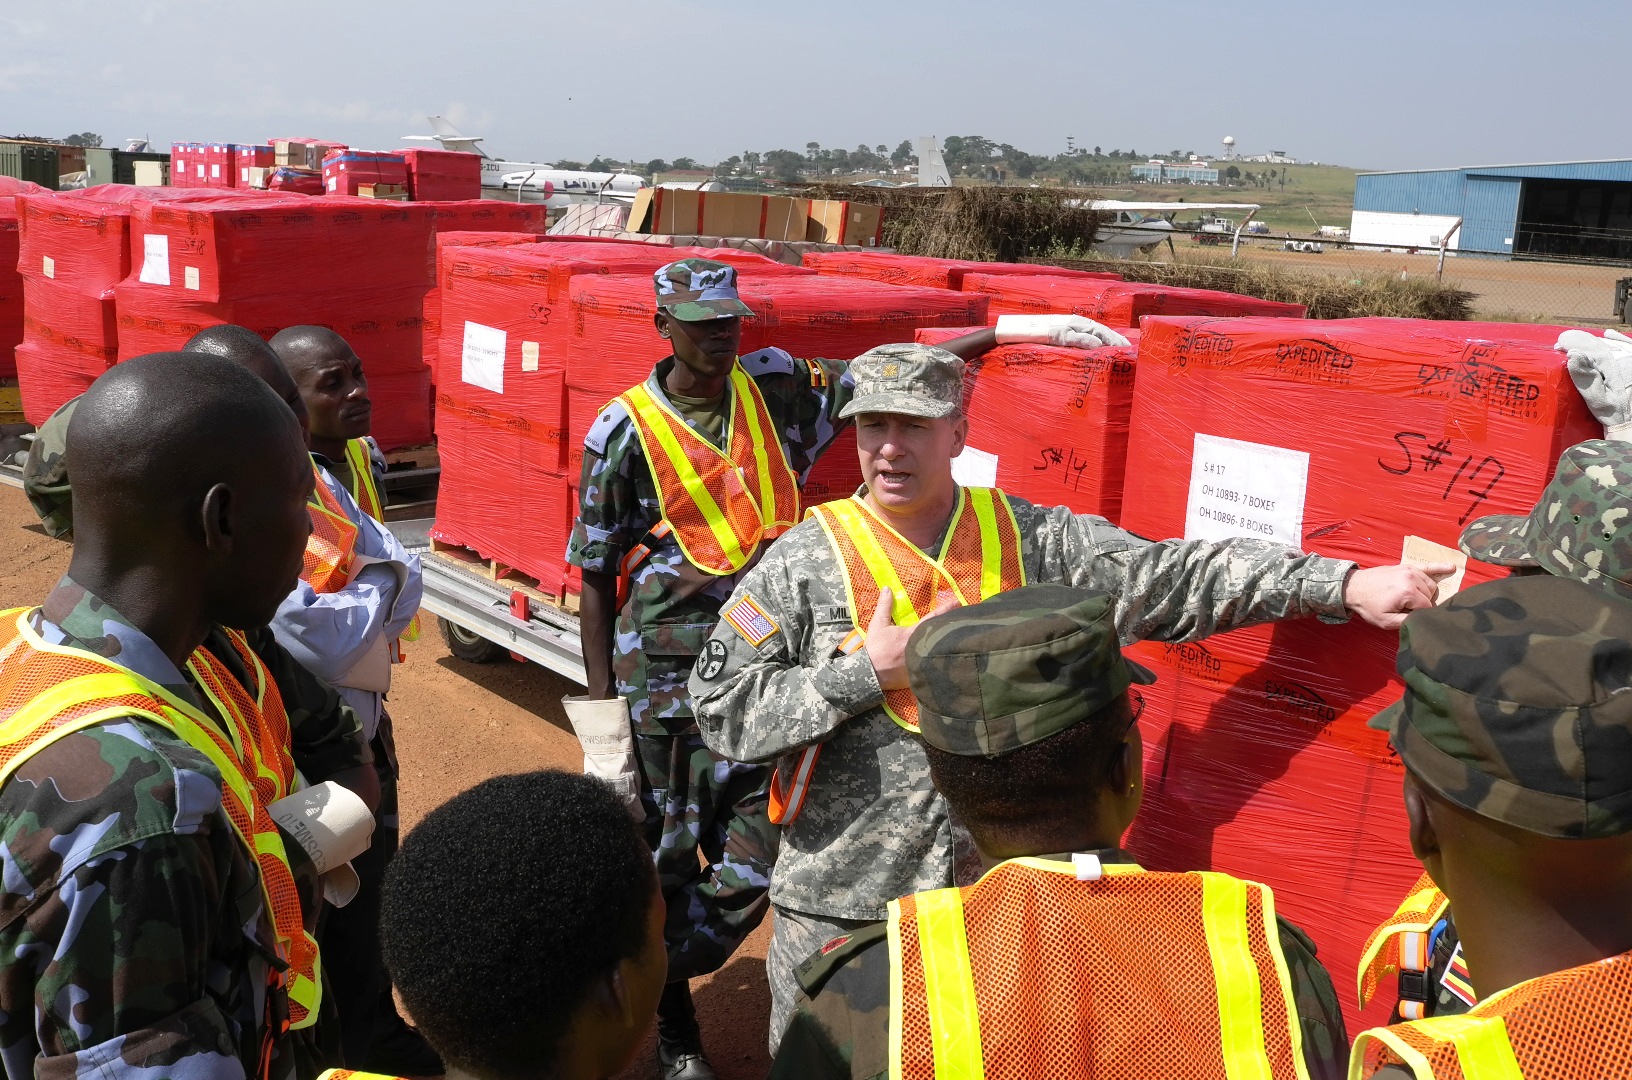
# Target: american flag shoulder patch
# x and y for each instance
(749, 619)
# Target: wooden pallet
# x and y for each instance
(501, 574)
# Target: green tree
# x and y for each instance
(570, 166)
(813, 150)
(601, 164)
(903, 154)
(84, 138)
(657, 165)
(1232, 173)
(786, 165)
(685, 163)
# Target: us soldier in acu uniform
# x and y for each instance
(1065, 959)
(686, 477)
(806, 665)
(1516, 736)
(1581, 528)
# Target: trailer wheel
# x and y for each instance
(469, 646)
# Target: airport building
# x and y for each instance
(1163, 172)
(1557, 210)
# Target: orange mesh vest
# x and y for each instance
(1401, 944)
(49, 691)
(980, 557)
(350, 1074)
(1570, 1025)
(1044, 970)
(333, 542)
(720, 504)
(367, 493)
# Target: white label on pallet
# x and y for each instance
(482, 361)
(1246, 489)
(155, 260)
(975, 468)
(48, 266)
(529, 356)
(189, 277)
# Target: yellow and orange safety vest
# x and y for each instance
(1402, 945)
(981, 557)
(720, 504)
(332, 545)
(50, 691)
(1078, 970)
(1565, 1026)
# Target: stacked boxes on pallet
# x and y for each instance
(922, 270)
(1258, 760)
(357, 266)
(1114, 303)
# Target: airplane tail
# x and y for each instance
(932, 171)
(442, 127)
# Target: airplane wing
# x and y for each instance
(1164, 207)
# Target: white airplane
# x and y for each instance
(1141, 226)
(535, 181)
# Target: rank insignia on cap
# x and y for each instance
(749, 619)
(890, 371)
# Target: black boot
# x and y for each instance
(679, 1043)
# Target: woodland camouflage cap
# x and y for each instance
(1016, 668)
(697, 290)
(1581, 527)
(1518, 705)
(913, 380)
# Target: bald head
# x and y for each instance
(330, 379)
(251, 352)
(188, 468)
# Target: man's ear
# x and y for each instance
(1424, 838)
(216, 517)
(661, 321)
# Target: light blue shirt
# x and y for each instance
(330, 633)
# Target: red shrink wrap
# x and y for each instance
(1047, 424)
(431, 332)
(290, 181)
(11, 288)
(1114, 303)
(346, 171)
(247, 156)
(443, 174)
(895, 269)
(487, 215)
(357, 266)
(1349, 439)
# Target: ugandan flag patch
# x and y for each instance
(749, 619)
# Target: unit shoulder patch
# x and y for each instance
(612, 416)
(712, 662)
(750, 620)
(770, 361)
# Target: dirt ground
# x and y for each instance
(457, 724)
(1504, 289)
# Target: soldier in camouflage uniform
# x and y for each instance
(134, 939)
(691, 796)
(873, 828)
(1031, 683)
(1580, 528)
(1515, 731)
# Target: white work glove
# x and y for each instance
(1602, 370)
(1066, 331)
(608, 739)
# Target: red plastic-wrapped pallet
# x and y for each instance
(346, 171)
(1344, 438)
(357, 266)
(1115, 303)
(11, 288)
(247, 156)
(1069, 445)
(895, 269)
(431, 333)
(442, 174)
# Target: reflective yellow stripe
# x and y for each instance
(991, 547)
(362, 479)
(1412, 1058)
(949, 986)
(1283, 975)
(58, 699)
(1427, 905)
(897, 996)
(848, 514)
(747, 400)
(1235, 976)
(639, 398)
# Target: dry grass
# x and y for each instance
(1326, 295)
(978, 223)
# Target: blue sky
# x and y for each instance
(1378, 85)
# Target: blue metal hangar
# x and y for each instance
(1560, 210)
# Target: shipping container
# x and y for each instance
(35, 162)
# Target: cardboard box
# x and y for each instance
(383, 191)
(837, 221)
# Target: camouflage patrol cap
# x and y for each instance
(1581, 528)
(914, 380)
(1013, 670)
(1518, 705)
(45, 473)
(697, 290)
